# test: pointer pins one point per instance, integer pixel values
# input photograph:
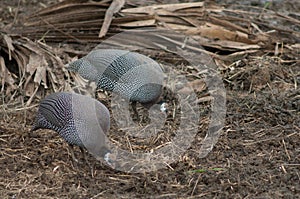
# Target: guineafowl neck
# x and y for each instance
(151, 103)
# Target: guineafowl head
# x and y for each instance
(109, 157)
(159, 101)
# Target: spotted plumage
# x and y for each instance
(79, 119)
(129, 74)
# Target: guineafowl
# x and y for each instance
(79, 119)
(134, 76)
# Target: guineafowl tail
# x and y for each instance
(34, 128)
(74, 66)
(36, 124)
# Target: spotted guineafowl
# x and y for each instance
(132, 75)
(79, 119)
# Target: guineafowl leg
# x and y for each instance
(87, 161)
(136, 113)
(72, 153)
(75, 161)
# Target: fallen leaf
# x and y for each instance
(9, 43)
(143, 23)
(40, 76)
(169, 7)
(34, 62)
(114, 7)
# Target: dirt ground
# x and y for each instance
(256, 156)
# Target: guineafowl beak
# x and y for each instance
(163, 107)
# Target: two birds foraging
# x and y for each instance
(84, 121)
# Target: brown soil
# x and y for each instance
(257, 155)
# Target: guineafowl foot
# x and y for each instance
(76, 162)
(72, 154)
(91, 166)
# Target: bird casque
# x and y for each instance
(80, 120)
